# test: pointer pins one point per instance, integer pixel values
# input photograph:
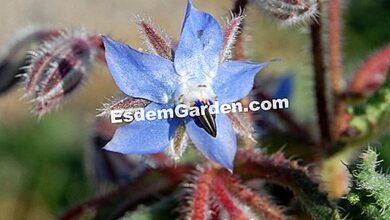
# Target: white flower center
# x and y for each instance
(194, 90)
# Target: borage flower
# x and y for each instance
(194, 76)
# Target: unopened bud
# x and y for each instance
(289, 12)
(58, 68)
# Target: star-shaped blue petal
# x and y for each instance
(222, 148)
(164, 82)
(138, 74)
(144, 137)
(235, 80)
(200, 43)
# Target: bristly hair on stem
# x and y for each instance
(216, 193)
(335, 66)
(199, 200)
(288, 173)
(230, 33)
(239, 51)
(242, 126)
(320, 80)
(334, 43)
(259, 202)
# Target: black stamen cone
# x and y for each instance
(207, 121)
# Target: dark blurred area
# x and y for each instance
(366, 27)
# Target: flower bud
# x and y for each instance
(289, 12)
(59, 67)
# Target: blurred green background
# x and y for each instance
(42, 162)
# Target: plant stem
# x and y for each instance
(334, 41)
(335, 67)
(320, 81)
(288, 173)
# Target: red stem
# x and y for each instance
(258, 202)
(202, 195)
(335, 67)
(334, 42)
(320, 81)
(225, 199)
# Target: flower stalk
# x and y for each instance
(320, 81)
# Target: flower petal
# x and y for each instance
(138, 74)
(235, 80)
(200, 43)
(144, 137)
(220, 149)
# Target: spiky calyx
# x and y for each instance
(13, 54)
(122, 102)
(158, 42)
(372, 73)
(59, 67)
(289, 12)
(231, 31)
(155, 39)
(242, 126)
(178, 143)
(370, 190)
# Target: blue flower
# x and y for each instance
(194, 76)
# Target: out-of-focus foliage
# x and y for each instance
(41, 167)
(366, 27)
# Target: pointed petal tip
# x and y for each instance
(222, 149)
(105, 39)
(109, 147)
(139, 74)
(189, 4)
(231, 72)
(199, 45)
(227, 163)
(229, 167)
